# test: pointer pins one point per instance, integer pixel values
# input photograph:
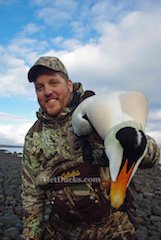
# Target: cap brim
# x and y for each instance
(32, 74)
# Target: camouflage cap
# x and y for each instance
(52, 63)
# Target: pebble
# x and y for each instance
(147, 200)
(148, 203)
(12, 233)
(10, 197)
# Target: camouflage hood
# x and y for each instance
(78, 92)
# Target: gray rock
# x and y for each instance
(9, 220)
(2, 198)
(154, 218)
(1, 231)
(142, 233)
(148, 194)
(18, 210)
(155, 237)
(156, 210)
(12, 233)
(10, 191)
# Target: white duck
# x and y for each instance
(119, 118)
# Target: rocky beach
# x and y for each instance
(147, 200)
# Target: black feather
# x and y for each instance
(133, 142)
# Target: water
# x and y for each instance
(12, 149)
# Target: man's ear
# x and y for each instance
(70, 85)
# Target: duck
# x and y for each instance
(120, 119)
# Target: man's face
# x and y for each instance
(54, 93)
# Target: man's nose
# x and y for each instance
(47, 90)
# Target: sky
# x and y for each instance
(108, 45)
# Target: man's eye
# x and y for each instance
(54, 83)
(39, 87)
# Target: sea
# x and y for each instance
(12, 149)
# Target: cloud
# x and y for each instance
(13, 134)
(153, 125)
(104, 45)
(155, 115)
(8, 116)
(60, 12)
(57, 17)
(30, 29)
(13, 82)
(120, 57)
(13, 128)
(16, 58)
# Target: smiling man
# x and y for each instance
(53, 88)
(53, 92)
(57, 165)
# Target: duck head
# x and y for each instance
(125, 147)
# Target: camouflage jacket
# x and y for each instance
(51, 146)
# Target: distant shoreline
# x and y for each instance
(11, 149)
(11, 146)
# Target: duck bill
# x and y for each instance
(118, 188)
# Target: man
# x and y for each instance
(52, 153)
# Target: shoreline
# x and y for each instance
(12, 150)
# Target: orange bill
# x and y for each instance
(118, 188)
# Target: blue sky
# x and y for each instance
(107, 45)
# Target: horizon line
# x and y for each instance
(6, 145)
